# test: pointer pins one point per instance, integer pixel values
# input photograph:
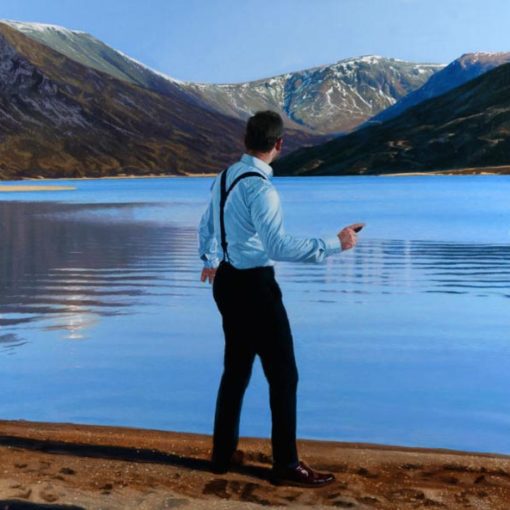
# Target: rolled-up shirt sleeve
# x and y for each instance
(267, 216)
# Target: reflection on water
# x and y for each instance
(74, 268)
(408, 267)
(429, 266)
(10, 341)
(66, 262)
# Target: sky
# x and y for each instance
(229, 41)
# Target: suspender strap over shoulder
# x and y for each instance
(223, 199)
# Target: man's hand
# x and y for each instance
(348, 237)
(208, 273)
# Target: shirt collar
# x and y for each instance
(257, 163)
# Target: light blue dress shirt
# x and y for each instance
(254, 223)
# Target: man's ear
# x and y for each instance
(278, 144)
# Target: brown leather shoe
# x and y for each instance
(221, 468)
(301, 476)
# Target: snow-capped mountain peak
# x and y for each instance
(32, 26)
(90, 51)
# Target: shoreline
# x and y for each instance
(461, 171)
(490, 170)
(114, 177)
(91, 466)
(11, 188)
(14, 188)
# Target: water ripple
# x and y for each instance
(58, 268)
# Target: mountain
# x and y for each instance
(468, 127)
(64, 117)
(324, 100)
(461, 70)
(85, 49)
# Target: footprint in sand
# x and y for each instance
(20, 491)
(366, 473)
(406, 494)
(480, 479)
(216, 487)
(451, 480)
(411, 467)
(244, 491)
(343, 503)
(47, 492)
(369, 500)
(340, 500)
(67, 471)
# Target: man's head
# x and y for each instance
(264, 132)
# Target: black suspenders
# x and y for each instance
(223, 199)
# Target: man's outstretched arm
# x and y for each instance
(267, 216)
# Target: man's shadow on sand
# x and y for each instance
(15, 504)
(124, 453)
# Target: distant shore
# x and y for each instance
(106, 177)
(490, 170)
(126, 468)
(11, 188)
(122, 176)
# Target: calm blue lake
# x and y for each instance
(403, 340)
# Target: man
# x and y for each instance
(245, 218)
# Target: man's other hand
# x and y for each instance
(208, 273)
(348, 237)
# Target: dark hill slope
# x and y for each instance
(467, 127)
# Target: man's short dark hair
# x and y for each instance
(263, 130)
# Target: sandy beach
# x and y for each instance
(54, 465)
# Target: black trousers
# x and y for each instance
(254, 322)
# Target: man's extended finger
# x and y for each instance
(203, 276)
